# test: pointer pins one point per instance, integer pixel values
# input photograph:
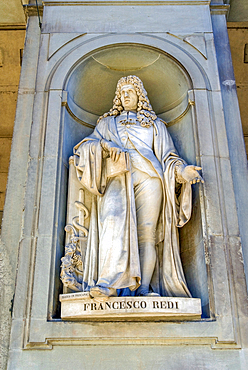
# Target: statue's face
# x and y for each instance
(129, 98)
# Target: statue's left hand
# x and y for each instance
(113, 149)
(190, 174)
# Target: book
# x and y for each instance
(119, 167)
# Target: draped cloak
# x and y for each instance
(112, 254)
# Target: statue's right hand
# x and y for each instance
(113, 149)
(114, 153)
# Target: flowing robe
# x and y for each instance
(112, 254)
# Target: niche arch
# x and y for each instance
(78, 118)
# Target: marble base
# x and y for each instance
(79, 306)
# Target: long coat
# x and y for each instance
(112, 255)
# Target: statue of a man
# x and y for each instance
(132, 169)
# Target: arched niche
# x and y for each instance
(90, 89)
(88, 92)
(91, 86)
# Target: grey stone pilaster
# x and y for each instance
(13, 211)
(234, 130)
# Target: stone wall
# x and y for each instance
(12, 34)
(33, 213)
(11, 48)
(238, 37)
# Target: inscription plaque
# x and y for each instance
(80, 306)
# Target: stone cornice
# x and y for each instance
(121, 2)
(13, 27)
(219, 9)
(31, 10)
(237, 25)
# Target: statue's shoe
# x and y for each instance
(152, 294)
(144, 292)
(101, 292)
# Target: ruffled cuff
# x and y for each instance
(105, 152)
(178, 172)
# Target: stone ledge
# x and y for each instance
(126, 2)
(79, 306)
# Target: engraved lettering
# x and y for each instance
(129, 304)
(163, 304)
(122, 305)
(155, 304)
(100, 307)
(170, 305)
(113, 305)
(86, 305)
(176, 303)
(134, 304)
(108, 304)
(143, 304)
(93, 306)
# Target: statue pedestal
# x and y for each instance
(79, 306)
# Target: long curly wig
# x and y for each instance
(145, 114)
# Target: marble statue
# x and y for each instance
(141, 195)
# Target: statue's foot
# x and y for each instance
(144, 292)
(152, 294)
(101, 292)
(98, 292)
